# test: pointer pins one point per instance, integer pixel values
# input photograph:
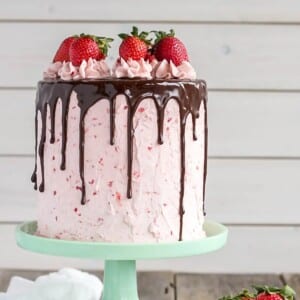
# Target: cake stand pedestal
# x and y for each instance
(120, 281)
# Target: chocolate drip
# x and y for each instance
(33, 176)
(52, 120)
(205, 145)
(194, 127)
(64, 133)
(188, 94)
(112, 107)
(48, 95)
(87, 97)
(41, 148)
(183, 118)
(160, 125)
(130, 134)
(81, 156)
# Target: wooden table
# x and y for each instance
(170, 286)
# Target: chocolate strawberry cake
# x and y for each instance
(121, 153)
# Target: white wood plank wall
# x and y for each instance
(249, 53)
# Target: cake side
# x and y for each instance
(121, 160)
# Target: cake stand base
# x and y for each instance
(120, 281)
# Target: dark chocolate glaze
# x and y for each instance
(189, 94)
(205, 150)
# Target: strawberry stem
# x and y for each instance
(135, 32)
(102, 41)
(162, 34)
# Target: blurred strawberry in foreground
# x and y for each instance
(134, 46)
(88, 46)
(167, 46)
(265, 293)
(274, 293)
(62, 54)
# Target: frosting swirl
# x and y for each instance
(90, 69)
(94, 69)
(68, 71)
(52, 70)
(167, 70)
(132, 69)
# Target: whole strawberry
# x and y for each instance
(274, 293)
(134, 46)
(62, 54)
(265, 293)
(168, 47)
(88, 46)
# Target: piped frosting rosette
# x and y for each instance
(90, 69)
(132, 69)
(152, 70)
(168, 70)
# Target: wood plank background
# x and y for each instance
(180, 286)
(249, 53)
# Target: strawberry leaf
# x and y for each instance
(162, 34)
(287, 293)
(123, 36)
(135, 32)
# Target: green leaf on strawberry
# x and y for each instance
(264, 293)
(162, 34)
(270, 293)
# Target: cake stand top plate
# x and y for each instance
(27, 239)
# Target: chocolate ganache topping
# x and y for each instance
(189, 94)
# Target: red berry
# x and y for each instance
(62, 54)
(274, 293)
(267, 296)
(84, 48)
(134, 46)
(171, 49)
(265, 293)
(150, 57)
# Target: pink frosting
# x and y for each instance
(68, 71)
(166, 70)
(88, 69)
(94, 69)
(52, 70)
(152, 213)
(132, 69)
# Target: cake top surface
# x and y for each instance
(142, 55)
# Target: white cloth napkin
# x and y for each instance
(65, 284)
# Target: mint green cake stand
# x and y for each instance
(120, 281)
